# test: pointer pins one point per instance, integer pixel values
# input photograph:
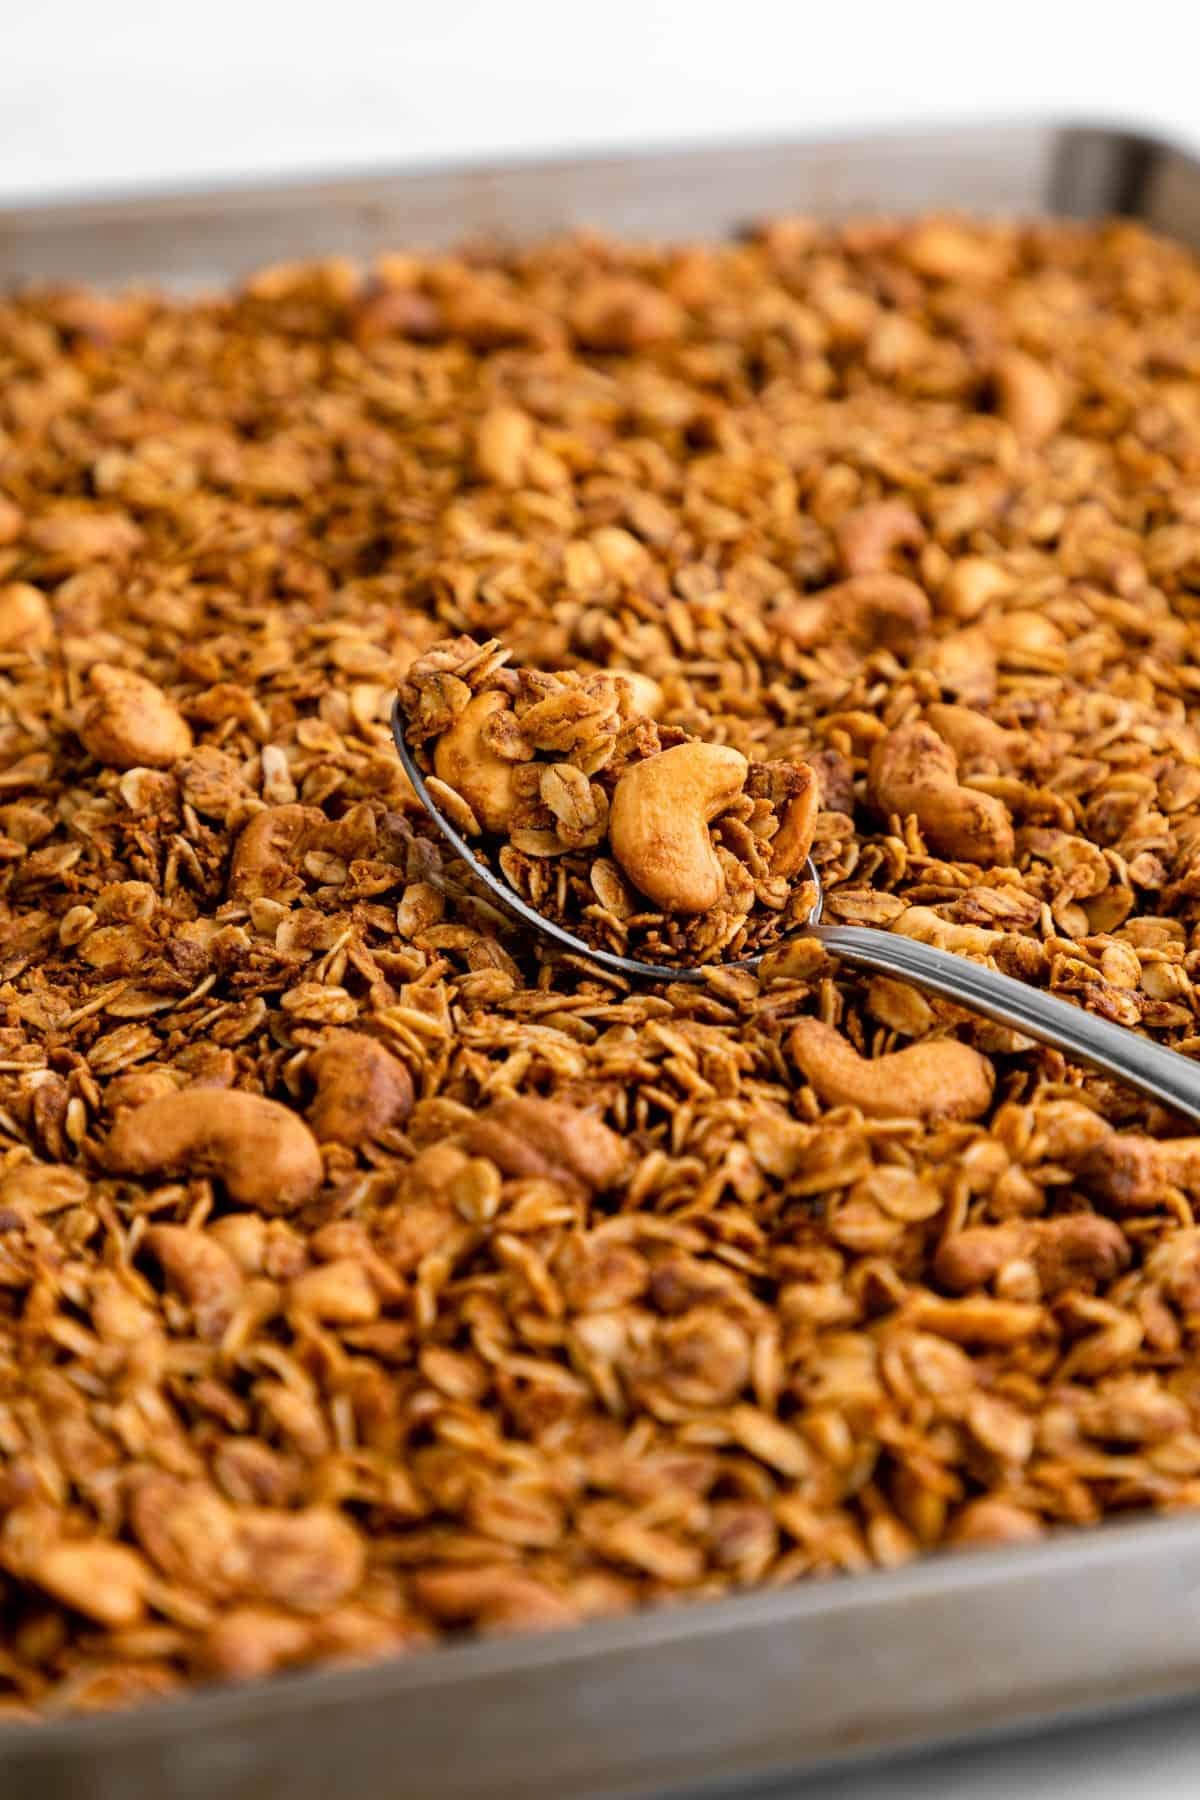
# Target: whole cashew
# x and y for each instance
(963, 664)
(269, 848)
(869, 611)
(529, 1137)
(361, 1088)
(867, 536)
(939, 1080)
(464, 761)
(25, 618)
(202, 1270)
(265, 1155)
(658, 824)
(928, 927)
(913, 771)
(970, 585)
(131, 724)
(1028, 396)
(974, 737)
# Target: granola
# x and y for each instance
(636, 836)
(369, 1273)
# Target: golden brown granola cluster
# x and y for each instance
(366, 1272)
(638, 838)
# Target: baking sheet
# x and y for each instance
(729, 1694)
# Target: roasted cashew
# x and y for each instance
(1028, 396)
(200, 1268)
(658, 825)
(531, 1137)
(131, 724)
(867, 536)
(1064, 1251)
(465, 762)
(928, 927)
(869, 611)
(974, 737)
(963, 664)
(503, 442)
(270, 847)
(971, 584)
(361, 1088)
(265, 1155)
(942, 1079)
(26, 622)
(797, 827)
(913, 771)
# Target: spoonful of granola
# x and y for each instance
(658, 855)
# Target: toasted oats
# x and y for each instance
(367, 1273)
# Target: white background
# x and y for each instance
(131, 93)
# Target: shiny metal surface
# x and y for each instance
(729, 1695)
(1162, 1073)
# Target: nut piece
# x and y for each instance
(131, 724)
(104, 1581)
(974, 737)
(867, 536)
(548, 1138)
(661, 808)
(466, 763)
(913, 771)
(265, 1155)
(361, 1088)
(1028, 396)
(881, 611)
(502, 445)
(939, 1080)
(203, 1271)
(268, 851)
(26, 622)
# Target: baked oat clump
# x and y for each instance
(367, 1273)
(639, 838)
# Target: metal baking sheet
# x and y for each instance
(705, 1698)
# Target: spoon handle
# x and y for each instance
(1164, 1074)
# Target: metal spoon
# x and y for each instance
(1163, 1074)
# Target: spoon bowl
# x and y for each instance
(1164, 1074)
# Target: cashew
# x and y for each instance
(26, 622)
(464, 761)
(77, 539)
(946, 251)
(867, 536)
(503, 441)
(619, 312)
(928, 927)
(939, 1080)
(658, 825)
(202, 1270)
(131, 724)
(1078, 1247)
(12, 521)
(988, 1521)
(104, 1581)
(361, 1088)
(971, 584)
(531, 1137)
(869, 611)
(913, 771)
(270, 847)
(1028, 396)
(974, 737)
(964, 665)
(645, 694)
(797, 827)
(265, 1155)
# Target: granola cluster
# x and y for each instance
(637, 837)
(368, 1273)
